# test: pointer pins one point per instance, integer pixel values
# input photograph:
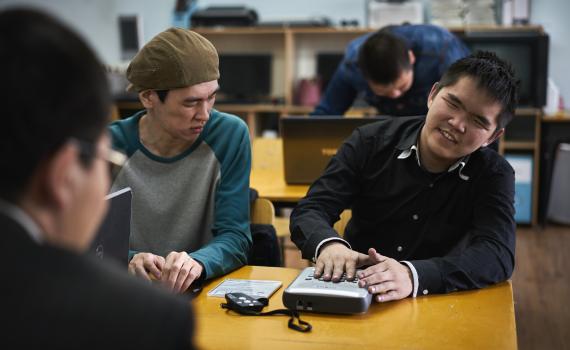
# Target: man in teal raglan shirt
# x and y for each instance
(188, 166)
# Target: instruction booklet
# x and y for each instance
(254, 288)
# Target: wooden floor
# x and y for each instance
(541, 285)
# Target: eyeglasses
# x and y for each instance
(88, 150)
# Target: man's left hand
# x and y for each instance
(388, 279)
(179, 271)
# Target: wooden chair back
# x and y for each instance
(340, 225)
(262, 212)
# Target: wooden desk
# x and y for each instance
(267, 174)
(271, 185)
(560, 117)
(482, 319)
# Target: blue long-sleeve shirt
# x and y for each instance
(435, 49)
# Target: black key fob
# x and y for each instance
(243, 301)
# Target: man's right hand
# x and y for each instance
(146, 264)
(336, 258)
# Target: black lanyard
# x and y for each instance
(300, 326)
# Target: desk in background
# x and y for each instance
(481, 319)
(268, 175)
(268, 178)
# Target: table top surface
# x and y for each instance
(271, 184)
(267, 174)
(481, 319)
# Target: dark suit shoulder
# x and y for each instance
(60, 299)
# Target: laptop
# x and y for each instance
(309, 143)
(111, 243)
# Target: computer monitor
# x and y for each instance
(245, 78)
(528, 54)
(327, 63)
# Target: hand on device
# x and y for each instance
(387, 278)
(335, 258)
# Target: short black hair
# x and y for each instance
(492, 74)
(383, 57)
(53, 89)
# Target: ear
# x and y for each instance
(61, 175)
(433, 92)
(412, 57)
(494, 137)
(148, 98)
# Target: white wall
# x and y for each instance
(96, 20)
(553, 15)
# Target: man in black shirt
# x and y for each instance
(432, 206)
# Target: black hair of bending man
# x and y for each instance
(384, 57)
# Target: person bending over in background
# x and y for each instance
(393, 69)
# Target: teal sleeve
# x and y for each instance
(231, 243)
(124, 134)
(118, 140)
